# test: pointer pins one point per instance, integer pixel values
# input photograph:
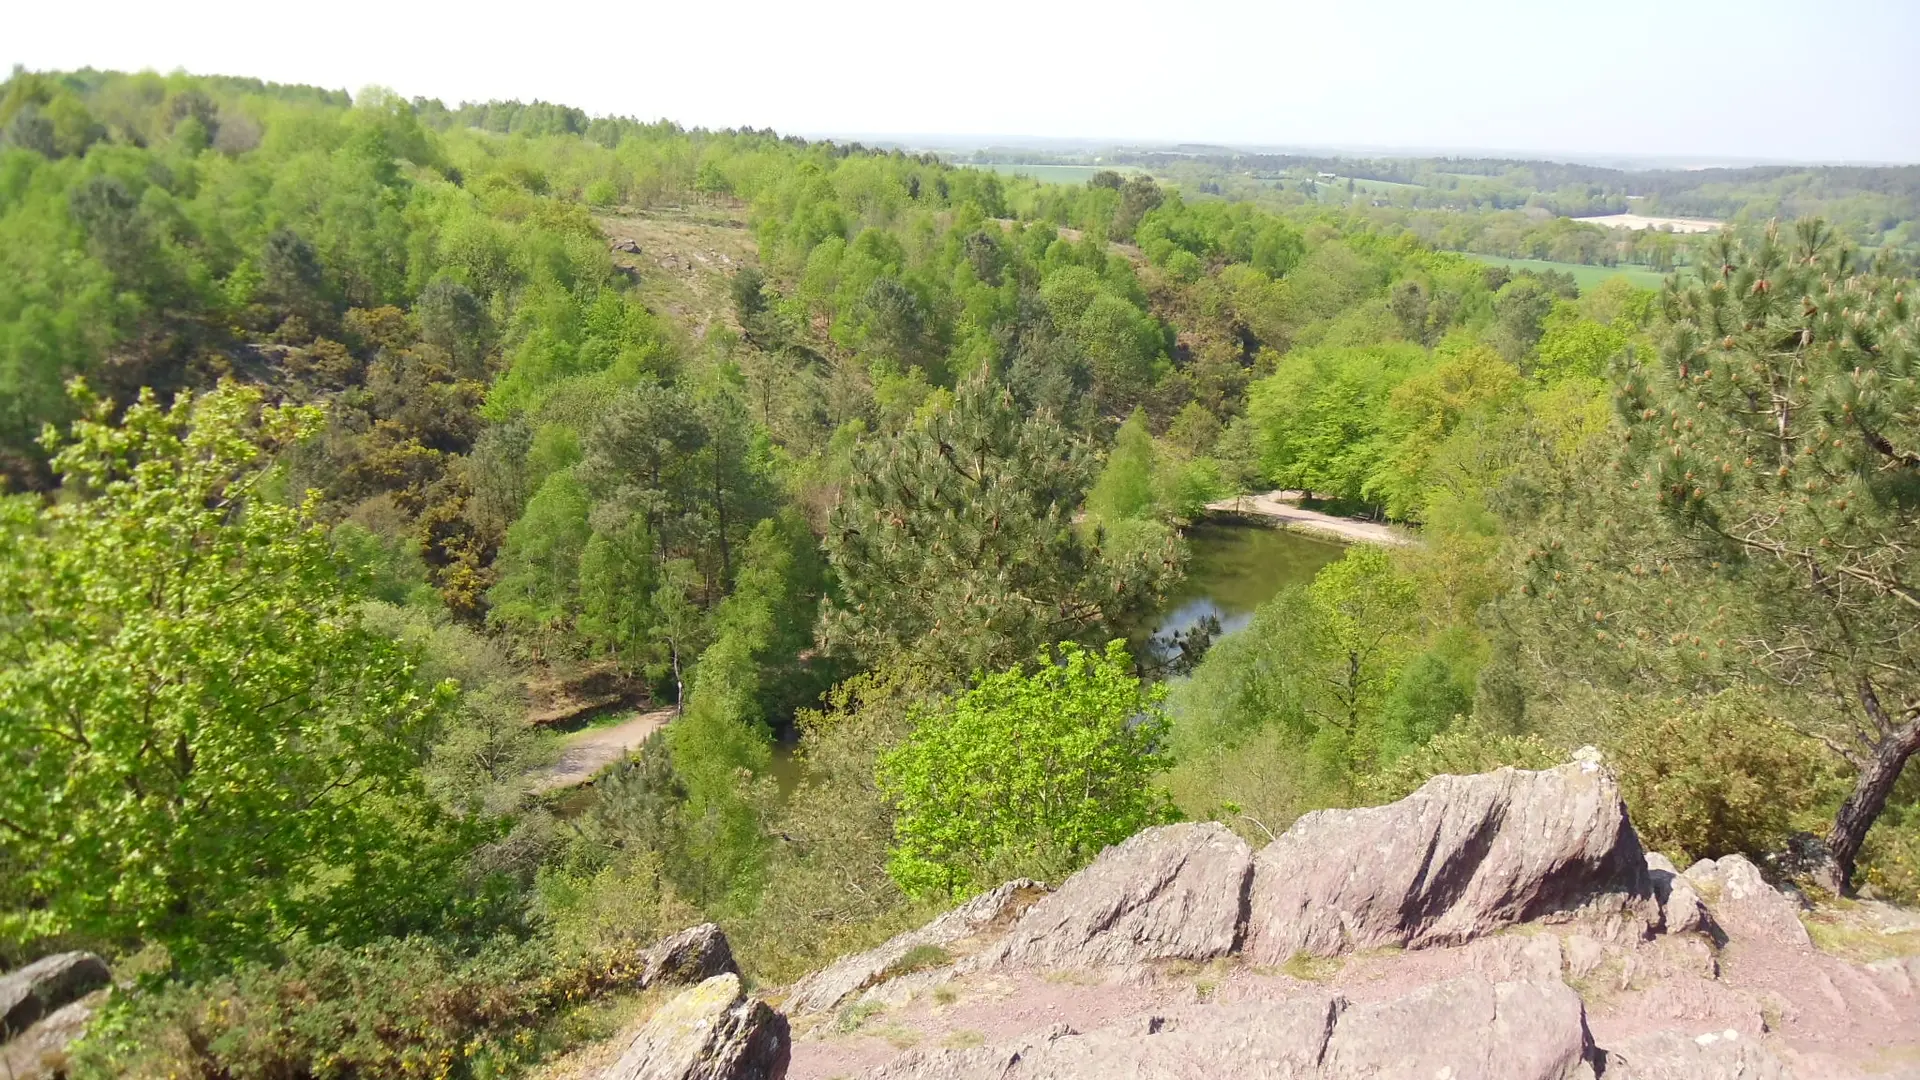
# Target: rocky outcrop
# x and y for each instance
(1174, 892)
(833, 985)
(691, 956)
(1681, 908)
(45, 985)
(711, 1032)
(1461, 858)
(1744, 905)
(1466, 1029)
(1673, 1055)
(41, 1050)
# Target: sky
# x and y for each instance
(1700, 81)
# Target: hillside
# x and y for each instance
(448, 551)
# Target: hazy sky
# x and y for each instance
(1698, 79)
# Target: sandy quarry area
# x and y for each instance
(1638, 221)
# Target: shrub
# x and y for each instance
(1719, 776)
(398, 1008)
(1060, 759)
(1466, 747)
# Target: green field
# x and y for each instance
(1583, 275)
(1058, 174)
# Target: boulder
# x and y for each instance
(1459, 859)
(40, 1052)
(1468, 1029)
(830, 987)
(1173, 892)
(712, 1032)
(1744, 905)
(33, 991)
(691, 956)
(1673, 1055)
(1681, 907)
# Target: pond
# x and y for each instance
(1234, 567)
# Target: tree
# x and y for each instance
(1125, 487)
(540, 561)
(1061, 757)
(1320, 663)
(1780, 438)
(200, 743)
(955, 541)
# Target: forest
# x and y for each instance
(335, 433)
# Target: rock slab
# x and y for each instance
(1467, 1029)
(43, 986)
(1459, 859)
(832, 986)
(1674, 1055)
(40, 1052)
(1172, 892)
(712, 1032)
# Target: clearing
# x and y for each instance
(687, 258)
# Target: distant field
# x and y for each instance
(1583, 275)
(1057, 174)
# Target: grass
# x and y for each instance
(1836, 934)
(853, 1017)
(1583, 275)
(918, 958)
(964, 1039)
(1309, 968)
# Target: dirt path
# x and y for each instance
(1284, 507)
(586, 752)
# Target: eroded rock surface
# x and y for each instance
(1173, 892)
(1674, 1055)
(1467, 1029)
(1461, 858)
(711, 1032)
(691, 956)
(831, 986)
(45, 985)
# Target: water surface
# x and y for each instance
(1233, 568)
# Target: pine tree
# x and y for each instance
(956, 542)
(1780, 437)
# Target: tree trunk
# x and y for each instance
(1863, 806)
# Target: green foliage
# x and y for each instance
(203, 745)
(540, 561)
(1125, 487)
(955, 543)
(398, 1008)
(1462, 750)
(1062, 757)
(1719, 776)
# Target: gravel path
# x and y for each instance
(586, 752)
